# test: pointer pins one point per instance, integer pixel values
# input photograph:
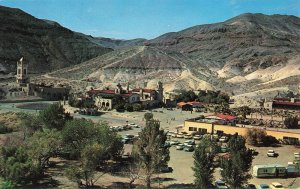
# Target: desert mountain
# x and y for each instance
(117, 43)
(45, 44)
(139, 65)
(251, 54)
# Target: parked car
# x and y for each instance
(129, 136)
(272, 153)
(126, 140)
(224, 149)
(220, 185)
(297, 155)
(180, 147)
(174, 142)
(189, 148)
(262, 186)
(189, 142)
(223, 139)
(275, 185)
(188, 136)
(250, 186)
(133, 125)
(179, 135)
(197, 137)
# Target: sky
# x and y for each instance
(128, 19)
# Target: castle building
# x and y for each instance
(106, 99)
(31, 89)
(22, 72)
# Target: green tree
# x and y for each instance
(128, 107)
(54, 116)
(148, 116)
(244, 111)
(89, 161)
(235, 168)
(30, 124)
(7, 184)
(137, 107)
(91, 155)
(80, 132)
(76, 134)
(149, 150)
(203, 163)
(16, 165)
(43, 145)
(255, 136)
(291, 122)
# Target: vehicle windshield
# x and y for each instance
(221, 183)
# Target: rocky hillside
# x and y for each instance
(45, 44)
(139, 65)
(117, 43)
(250, 54)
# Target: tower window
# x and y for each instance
(19, 71)
(25, 71)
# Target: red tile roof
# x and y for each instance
(282, 99)
(94, 91)
(127, 94)
(287, 103)
(196, 103)
(222, 116)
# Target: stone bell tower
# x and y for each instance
(160, 91)
(22, 72)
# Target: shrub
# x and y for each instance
(4, 129)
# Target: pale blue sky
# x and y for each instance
(127, 19)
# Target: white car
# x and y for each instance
(188, 136)
(272, 153)
(275, 185)
(180, 147)
(197, 137)
(223, 139)
(133, 125)
(297, 155)
(180, 135)
(174, 142)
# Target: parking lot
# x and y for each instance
(182, 161)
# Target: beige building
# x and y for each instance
(105, 99)
(219, 126)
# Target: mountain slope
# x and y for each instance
(137, 65)
(249, 54)
(44, 44)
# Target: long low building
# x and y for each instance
(220, 124)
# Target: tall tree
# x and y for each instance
(291, 122)
(54, 116)
(203, 163)
(235, 168)
(80, 132)
(245, 110)
(150, 151)
(148, 116)
(41, 146)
